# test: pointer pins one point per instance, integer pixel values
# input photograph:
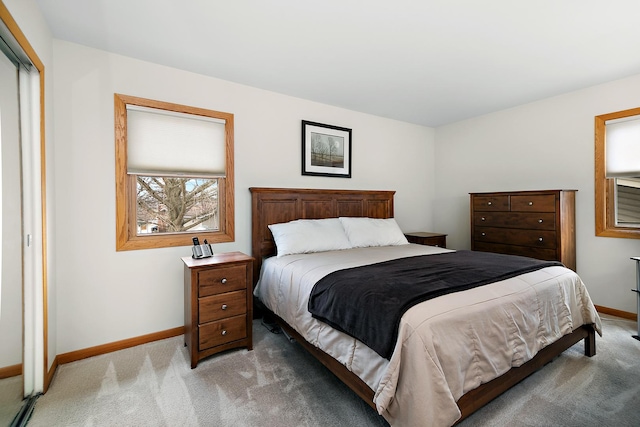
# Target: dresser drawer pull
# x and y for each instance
(530, 203)
(223, 281)
(483, 219)
(540, 221)
(539, 239)
(224, 332)
(224, 306)
(489, 203)
(484, 234)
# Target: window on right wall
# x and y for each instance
(617, 174)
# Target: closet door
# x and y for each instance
(11, 304)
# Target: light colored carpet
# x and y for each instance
(575, 390)
(279, 384)
(276, 384)
(11, 399)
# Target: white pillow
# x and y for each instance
(365, 232)
(309, 235)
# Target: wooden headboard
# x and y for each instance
(278, 205)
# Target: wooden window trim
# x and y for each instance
(605, 187)
(126, 233)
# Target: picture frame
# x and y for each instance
(326, 150)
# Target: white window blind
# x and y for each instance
(623, 147)
(161, 142)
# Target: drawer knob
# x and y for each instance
(223, 281)
(224, 306)
(224, 332)
(483, 219)
(539, 239)
(489, 203)
(483, 234)
(530, 203)
(540, 221)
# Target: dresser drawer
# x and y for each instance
(491, 203)
(526, 203)
(509, 236)
(219, 280)
(533, 221)
(539, 253)
(221, 332)
(217, 307)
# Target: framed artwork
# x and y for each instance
(326, 150)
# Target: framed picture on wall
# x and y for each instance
(326, 150)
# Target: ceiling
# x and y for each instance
(429, 62)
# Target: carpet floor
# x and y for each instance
(279, 384)
(11, 399)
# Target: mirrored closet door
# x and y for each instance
(11, 286)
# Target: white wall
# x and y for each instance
(104, 295)
(543, 145)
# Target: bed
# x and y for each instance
(427, 380)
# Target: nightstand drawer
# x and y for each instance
(427, 238)
(220, 280)
(217, 307)
(221, 332)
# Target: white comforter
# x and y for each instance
(446, 346)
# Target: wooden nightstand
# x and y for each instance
(425, 238)
(218, 304)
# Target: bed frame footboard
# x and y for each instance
(472, 400)
(477, 398)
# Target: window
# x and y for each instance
(174, 174)
(617, 174)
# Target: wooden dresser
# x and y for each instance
(537, 224)
(218, 304)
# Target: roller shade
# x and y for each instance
(161, 142)
(623, 147)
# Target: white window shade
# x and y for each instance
(623, 147)
(161, 142)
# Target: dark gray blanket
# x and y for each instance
(367, 302)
